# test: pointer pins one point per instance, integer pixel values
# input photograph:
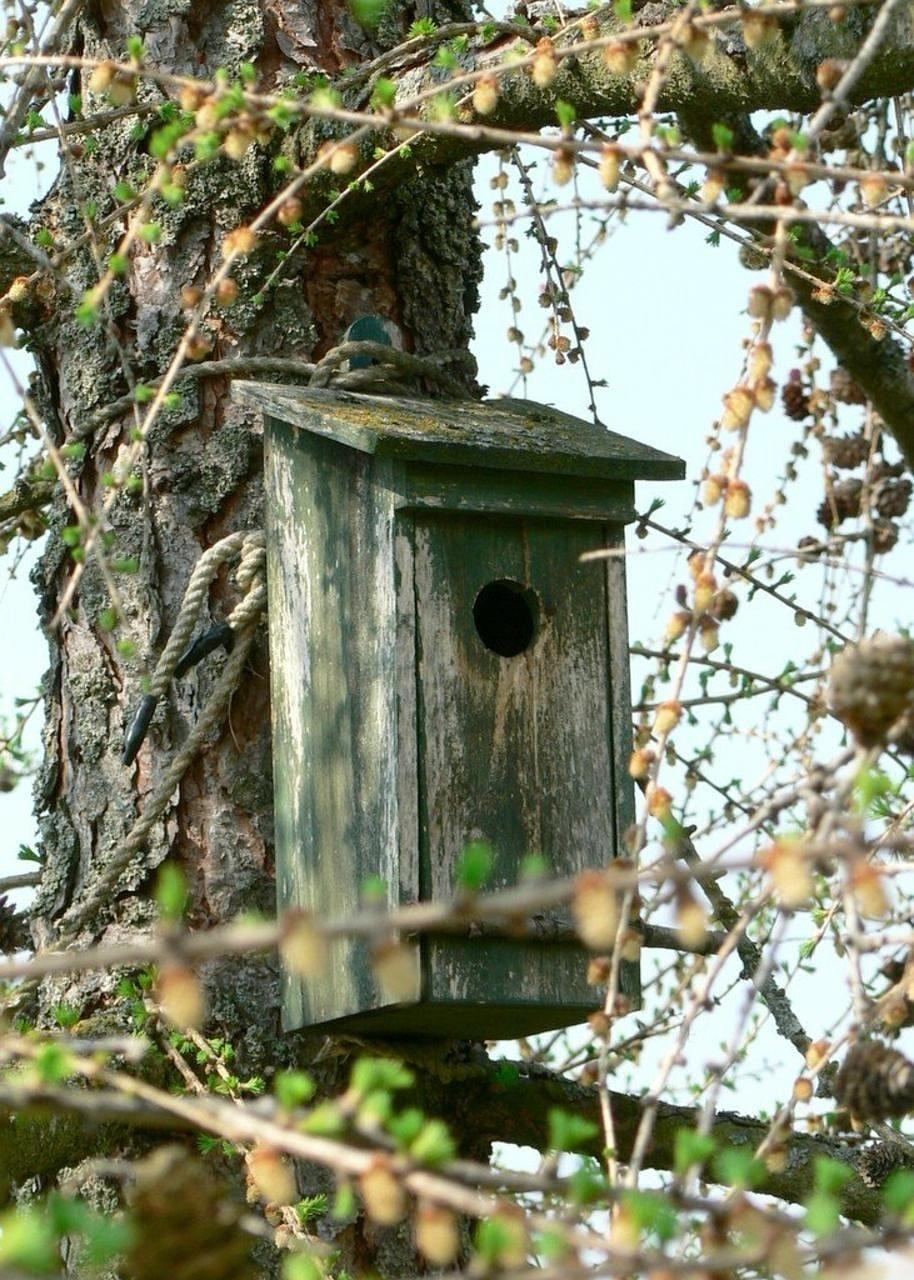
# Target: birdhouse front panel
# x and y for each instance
(514, 725)
(445, 668)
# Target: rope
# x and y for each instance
(325, 373)
(195, 594)
(390, 361)
(243, 620)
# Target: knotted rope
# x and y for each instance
(243, 620)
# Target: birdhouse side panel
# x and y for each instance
(621, 719)
(515, 732)
(332, 645)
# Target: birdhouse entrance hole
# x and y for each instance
(505, 615)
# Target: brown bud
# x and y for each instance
(595, 908)
(563, 162)
(709, 635)
(102, 77)
(696, 43)
(180, 996)
(207, 115)
(829, 73)
(271, 1174)
(802, 1089)
(199, 346)
(868, 889)
(705, 587)
(610, 165)
(631, 945)
(760, 361)
(765, 392)
(621, 56)
(691, 918)
(639, 766)
(712, 489)
(598, 971)
(302, 947)
(241, 241)
(191, 98)
(873, 190)
(782, 303)
(383, 1195)
(437, 1234)
(290, 211)
(724, 605)
(713, 186)
(797, 177)
(738, 501)
(236, 142)
(344, 157)
(759, 29)
(545, 63)
(485, 94)
(19, 290)
(599, 1024)
(666, 717)
(738, 406)
(817, 1053)
(676, 625)
(122, 89)
(396, 967)
(659, 802)
(761, 300)
(791, 877)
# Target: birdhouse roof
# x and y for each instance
(514, 435)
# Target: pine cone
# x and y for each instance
(893, 497)
(844, 389)
(874, 1164)
(842, 503)
(875, 1082)
(724, 605)
(185, 1222)
(885, 536)
(871, 688)
(846, 452)
(794, 398)
(810, 547)
(883, 470)
(13, 932)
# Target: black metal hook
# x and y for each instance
(218, 636)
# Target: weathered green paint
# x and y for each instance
(398, 734)
(516, 751)
(519, 492)
(333, 634)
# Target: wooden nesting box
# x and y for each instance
(445, 669)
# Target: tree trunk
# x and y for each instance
(412, 257)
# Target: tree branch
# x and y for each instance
(505, 1102)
